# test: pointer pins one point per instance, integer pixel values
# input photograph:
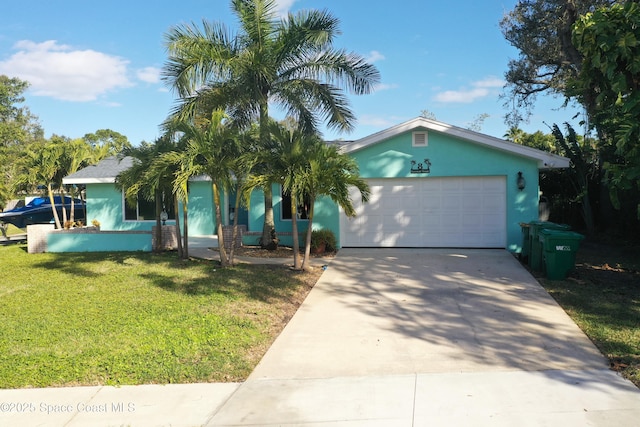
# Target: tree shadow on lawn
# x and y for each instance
(85, 264)
(190, 277)
(258, 282)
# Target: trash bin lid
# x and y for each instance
(550, 234)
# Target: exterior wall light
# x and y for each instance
(164, 217)
(521, 182)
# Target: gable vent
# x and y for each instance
(420, 139)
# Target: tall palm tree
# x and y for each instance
(290, 63)
(329, 173)
(211, 149)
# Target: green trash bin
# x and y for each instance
(535, 252)
(559, 249)
(526, 243)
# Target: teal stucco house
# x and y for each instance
(432, 185)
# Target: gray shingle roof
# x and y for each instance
(104, 171)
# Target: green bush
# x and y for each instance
(326, 236)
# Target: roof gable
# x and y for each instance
(544, 159)
(105, 171)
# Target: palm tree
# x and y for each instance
(41, 165)
(142, 179)
(329, 173)
(288, 62)
(212, 150)
(515, 134)
(76, 155)
(286, 155)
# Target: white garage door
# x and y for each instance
(467, 212)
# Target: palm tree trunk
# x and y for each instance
(176, 213)
(185, 219)
(224, 261)
(307, 241)
(269, 238)
(236, 209)
(63, 200)
(294, 232)
(52, 200)
(159, 245)
(72, 215)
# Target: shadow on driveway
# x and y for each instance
(406, 311)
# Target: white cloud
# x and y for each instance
(377, 121)
(385, 86)
(461, 96)
(491, 82)
(60, 72)
(374, 56)
(480, 89)
(283, 6)
(149, 74)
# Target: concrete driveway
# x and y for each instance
(405, 337)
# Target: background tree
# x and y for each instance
(18, 129)
(542, 31)
(289, 62)
(609, 40)
(105, 143)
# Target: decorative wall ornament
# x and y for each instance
(424, 167)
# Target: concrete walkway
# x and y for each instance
(387, 338)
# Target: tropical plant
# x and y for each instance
(211, 149)
(287, 155)
(41, 165)
(332, 174)
(609, 40)
(289, 62)
(323, 238)
(144, 180)
(76, 154)
(584, 167)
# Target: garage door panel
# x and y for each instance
(429, 212)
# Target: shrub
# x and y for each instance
(326, 236)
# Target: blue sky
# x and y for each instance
(96, 65)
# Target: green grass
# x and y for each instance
(12, 230)
(603, 298)
(135, 318)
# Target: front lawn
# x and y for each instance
(603, 297)
(137, 318)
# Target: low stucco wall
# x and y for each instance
(37, 237)
(92, 240)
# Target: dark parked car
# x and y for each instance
(38, 211)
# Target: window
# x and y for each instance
(303, 206)
(420, 139)
(145, 210)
